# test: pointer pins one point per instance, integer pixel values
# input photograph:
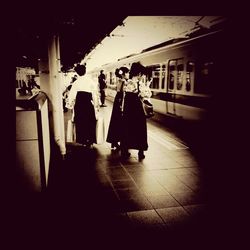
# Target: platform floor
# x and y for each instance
(94, 196)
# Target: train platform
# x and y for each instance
(95, 196)
(162, 193)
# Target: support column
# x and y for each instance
(51, 84)
(56, 92)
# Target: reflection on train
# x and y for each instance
(183, 72)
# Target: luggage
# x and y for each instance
(71, 133)
(147, 108)
(100, 130)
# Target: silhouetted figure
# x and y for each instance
(134, 126)
(102, 87)
(23, 88)
(114, 131)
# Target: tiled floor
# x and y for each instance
(93, 195)
(164, 192)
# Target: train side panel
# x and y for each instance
(182, 73)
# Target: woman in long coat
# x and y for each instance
(114, 131)
(134, 125)
(83, 98)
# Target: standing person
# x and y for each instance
(32, 84)
(83, 98)
(114, 131)
(102, 86)
(134, 126)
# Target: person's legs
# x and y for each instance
(124, 152)
(141, 154)
(103, 97)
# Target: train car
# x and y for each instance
(183, 71)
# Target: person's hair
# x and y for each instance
(121, 71)
(136, 69)
(80, 69)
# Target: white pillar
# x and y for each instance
(55, 92)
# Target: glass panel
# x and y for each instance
(179, 75)
(110, 77)
(189, 76)
(154, 72)
(171, 74)
(205, 78)
(163, 76)
(190, 66)
(188, 82)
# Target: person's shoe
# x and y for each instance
(141, 155)
(103, 105)
(125, 155)
(115, 146)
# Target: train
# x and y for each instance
(183, 73)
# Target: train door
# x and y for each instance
(174, 83)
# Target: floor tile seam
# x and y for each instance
(190, 213)
(185, 184)
(146, 210)
(113, 188)
(167, 224)
(182, 205)
(138, 186)
(146, 195)
(172, 206)
(175, 199)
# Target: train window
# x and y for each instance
(205, 78)
(189, 76)
(154, 72)
(163, 76)
(110, 78)
(190, 66)
(188, 82)
(171, 74)
(180, 68)
(172, 67)
(175, 74)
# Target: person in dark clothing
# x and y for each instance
(32, 84)
(114, 131)
(134, 126)
(102, 87)
(23, 88)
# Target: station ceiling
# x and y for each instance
(78, 35)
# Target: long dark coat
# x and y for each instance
(85, 120)
(134, 126)
(114, 131)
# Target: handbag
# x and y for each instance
(100, 130)
(147, 108)
(71, 133)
